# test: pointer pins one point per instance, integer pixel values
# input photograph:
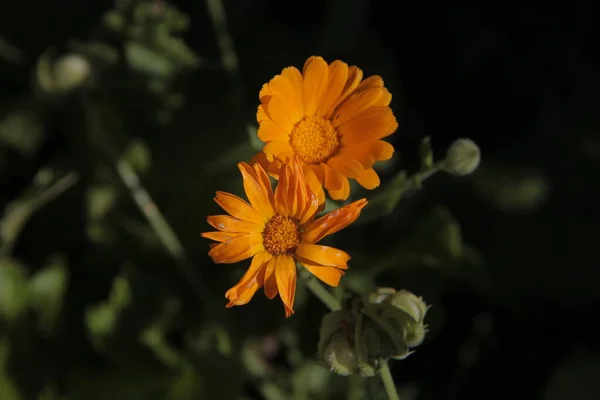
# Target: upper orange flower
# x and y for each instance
(330, 120)
(277, 229)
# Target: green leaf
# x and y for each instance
(8, 388)
(138, 155)
(426, 154)
(46, 292)
(100, 200)
(13, 290)
(147, 61)
(23, 130)
(101, 319)
(384, 202)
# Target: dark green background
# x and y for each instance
(513, 313)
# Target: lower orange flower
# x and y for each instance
(277, 229)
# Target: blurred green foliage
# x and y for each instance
(118, 124)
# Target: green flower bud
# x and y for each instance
(411, 304)
(462, 158)
(335, 347)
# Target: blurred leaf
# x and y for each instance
(46, 292)
(138, 155)
(438, 234)
(576, 379)
(114, 20)
(101, 319)
(386, 199)
(137, 382)
(310, 379)
(22, 130)
(13, 290)
(8, 389)
(100, 199)
(154, 335)
(19, 211)
(186, 386)
(147, 61)
(426, 154)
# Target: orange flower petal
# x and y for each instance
(372, 81)
(332, 222)
(346, 166)
(277, 149)
(260, 196)
(355, 74)
(268, 131)
(285, 274)
(270, 280)
(387, 150)
(338, 75)
(265, 91)
(316, 75)
(341, 193)
(283, 88)
(368, 179)
(297, 81)
(261, 114)
(293, 198)
(226, 223)
(333, 180)
(279, 112)
(374, 123)
(237, 249)
(329, 275)
(322, 255)
(252, 280)
(238, 208)
(357, 102)
(366, 152)
(220, 236)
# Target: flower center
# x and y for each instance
(281, 235)
(314, 140)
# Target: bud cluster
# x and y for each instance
(382, 325)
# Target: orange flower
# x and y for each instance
(277, 229)
(330, 120)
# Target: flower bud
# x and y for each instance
(71, 71)
(411, 304)
(462, 158)
(335, 347)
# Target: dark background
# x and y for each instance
(514, 308)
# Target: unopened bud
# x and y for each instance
(71, 71)
(411, 304)
(335, 349)
(462, 158)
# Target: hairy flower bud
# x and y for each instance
(335, 347)
(378, 326)
(462, 158)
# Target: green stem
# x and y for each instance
(388, 381)
(320, 291)
(144, 202)
(333, 304)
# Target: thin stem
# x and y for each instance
(388, 381)
(333, 304)
(24, 207)
(321, 292)
(144, 202)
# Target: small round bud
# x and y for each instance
(335, 348)
(411, 304)
(462, 158)
(339, 355)
(71, 71)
